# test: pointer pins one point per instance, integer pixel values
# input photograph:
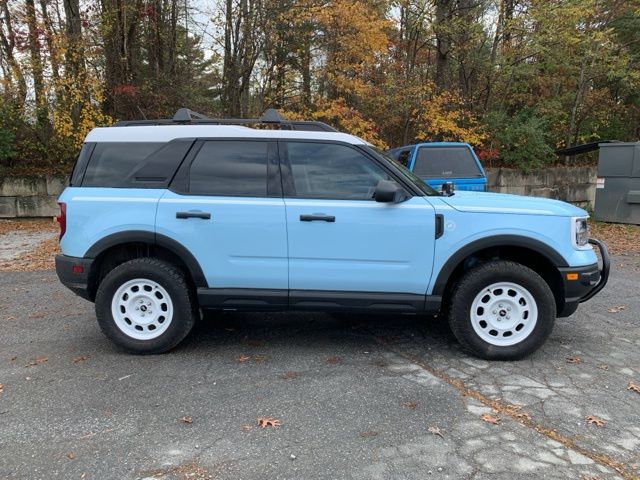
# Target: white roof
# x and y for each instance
(165, 133)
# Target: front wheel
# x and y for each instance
(502, 310)
(145, 306)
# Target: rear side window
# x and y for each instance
(230, 168)
(446, 162)
(111, 163)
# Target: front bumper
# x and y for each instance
(586, 281)
(73, 273)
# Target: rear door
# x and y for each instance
(340, 239)
(225, 206)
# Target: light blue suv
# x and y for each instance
(164, 219)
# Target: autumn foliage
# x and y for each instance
(515, 78)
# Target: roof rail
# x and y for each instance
(271, 116)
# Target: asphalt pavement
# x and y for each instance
(355, 396)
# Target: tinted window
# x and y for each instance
(323, 170)
(230, 168)
(445, 162)
(112, 163)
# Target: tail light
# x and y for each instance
(62, 218)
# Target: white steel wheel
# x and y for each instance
(142, 309)
(504, 314)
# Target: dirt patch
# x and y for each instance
(620, 239)
(29, 225)
(28, 245)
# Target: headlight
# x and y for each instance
(581, 228)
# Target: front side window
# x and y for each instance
(325, 170)
(230, 168)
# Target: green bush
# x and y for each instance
(522, 140)
(7, 150)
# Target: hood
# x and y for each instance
(486, 202)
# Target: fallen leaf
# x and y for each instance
(71, 455)
(268, 422)
(516, 411)
(487, 417)
(411, 405)
(246, 427)
(436, 431)
(632, 386)
(1, 388)
(37, 361)
(369, 434)
(81, 358)
(617, 309)
(242, 358)
(593, 420)
(13, 359)
(334, 360)
(604, 366)
(260, 358)
(38, 315)
(290, 375)
(186, 419)
(574, 360)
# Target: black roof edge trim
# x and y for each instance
(494, 241)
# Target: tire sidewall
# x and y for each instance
(166, 275)
(480, 278)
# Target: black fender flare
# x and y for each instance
(143, 236)
(489, 242)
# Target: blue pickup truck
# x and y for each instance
(440, 162)
(163, 220)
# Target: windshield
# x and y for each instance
(412, 177)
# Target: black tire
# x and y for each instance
(473, 282)
(172, 280)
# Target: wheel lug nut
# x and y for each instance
(495, 312)
(508, 317)
(508, 309)
(500, 305)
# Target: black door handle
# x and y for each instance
(194, 214)
(317, 218)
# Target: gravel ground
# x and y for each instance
(362, 397)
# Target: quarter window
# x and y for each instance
(325, 170)
(230, 168)
(112, 162)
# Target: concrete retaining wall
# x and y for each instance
(30, 196)
(36, 196)
(571, 184)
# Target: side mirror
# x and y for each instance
(447, 189)
(388, 191)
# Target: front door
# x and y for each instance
(340, 238)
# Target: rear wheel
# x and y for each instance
(502, 310)
(145, 306)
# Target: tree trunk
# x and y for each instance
(42, 114)
(74, 57)
(443, 42)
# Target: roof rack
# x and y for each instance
(271, 116)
